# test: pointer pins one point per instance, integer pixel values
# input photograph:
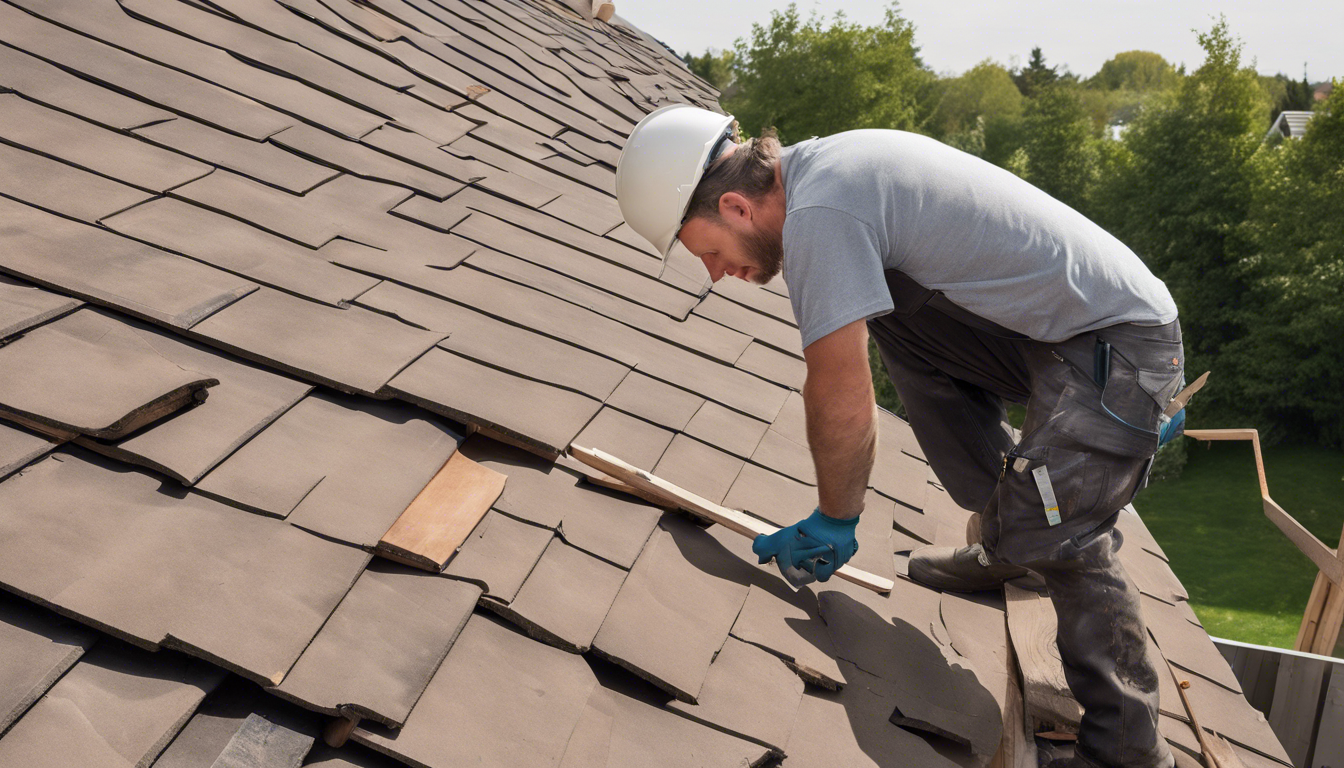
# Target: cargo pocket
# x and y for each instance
(1142, 382)
(1056, 483)
(1084, 421)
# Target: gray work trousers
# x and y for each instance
(1093, 407)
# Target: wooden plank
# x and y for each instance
(1324, 557)
(1032, 627)
(1332, 615)
(443, 514)
(1297, 701)
(1329, 751)
(1017, 749)
(733, 520)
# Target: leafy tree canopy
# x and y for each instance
(1176, 192)
(984, 91)
(714, 68)
(1035, 75)
(1139, 71)
(814, 78)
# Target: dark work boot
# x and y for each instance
(1103, 645)
(960, 570)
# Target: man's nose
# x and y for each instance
(716, 271)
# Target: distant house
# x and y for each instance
(1291, 124)
(1322, 91)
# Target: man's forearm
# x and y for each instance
(842, 431)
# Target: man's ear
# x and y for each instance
(734, 206)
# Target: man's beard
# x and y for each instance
(766, 251)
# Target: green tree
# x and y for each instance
(1177, 191)
(1059, 153)
(1035, 75)
(810, 78)
(979, 112)
(985, 90)
(714, 68)
(1292, 357)
(1137, 71)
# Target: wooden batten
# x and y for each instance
(732, 519)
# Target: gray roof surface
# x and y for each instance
(265, 265)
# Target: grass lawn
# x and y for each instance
(1246, 581)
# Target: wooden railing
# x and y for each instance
(1324, 615)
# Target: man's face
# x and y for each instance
(735, 246)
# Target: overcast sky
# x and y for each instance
(956, 34)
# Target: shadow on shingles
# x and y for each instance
(909, 683)
(707, 553)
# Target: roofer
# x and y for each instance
(979, 289)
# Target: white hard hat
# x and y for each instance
(663, 160)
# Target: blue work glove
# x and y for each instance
(818, 544)
(1171, 428)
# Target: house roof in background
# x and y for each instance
(280, 274)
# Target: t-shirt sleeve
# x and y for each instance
(833, 268)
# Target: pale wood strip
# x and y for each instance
(1032, 627)
(733, 520)
(442, 515)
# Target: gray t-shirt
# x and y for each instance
(861, 202)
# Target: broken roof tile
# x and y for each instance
(378, 651)
(88, 373)
(20, 447)
(61, 188)
(23, 306)
(484, 339)
(538, 414)
(789, 625)
(339, 466)
(225, 242)
(353, 350)
(671, 617)
(611, 526)
(510, 701)
(565, 598)
(930, 694)
(225, 714)
(192, 441)
(259, 160)
(94, 148)
(852, 727)
(749, 693)
(499, 554)
(96, 265)
(119, 706)
(135, 568)
(36, 649)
